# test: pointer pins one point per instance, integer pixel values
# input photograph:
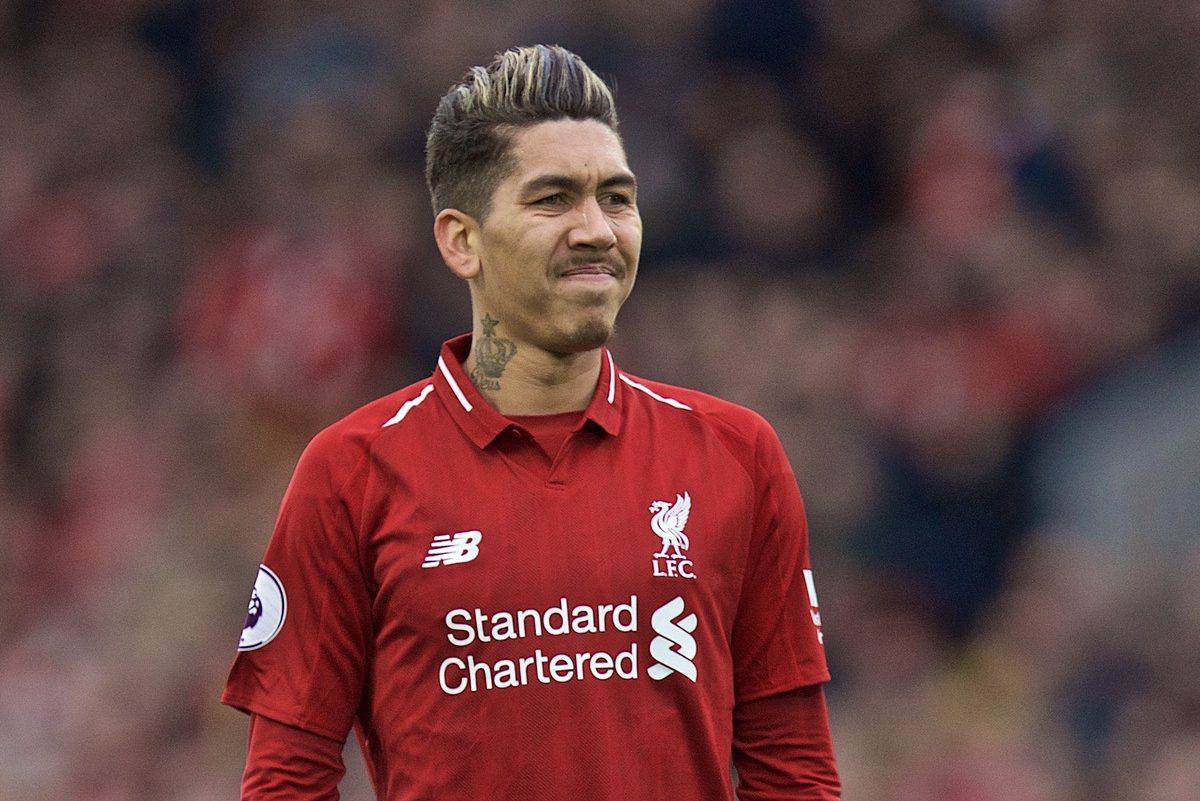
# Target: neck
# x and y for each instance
(518, 378)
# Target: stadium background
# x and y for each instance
(951, 249)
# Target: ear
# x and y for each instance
(457, 236)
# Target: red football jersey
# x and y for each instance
(499, 625)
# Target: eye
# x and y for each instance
(551, 200)
(618, 199)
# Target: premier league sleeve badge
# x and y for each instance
(266, 612)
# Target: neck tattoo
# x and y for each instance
(492, 354)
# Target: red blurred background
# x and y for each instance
(950, 248)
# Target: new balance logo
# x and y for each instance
(674, 648)
(449, 549)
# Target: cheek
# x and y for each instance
(521, 265)
(533, 243)
(515, 259)
(629, 235)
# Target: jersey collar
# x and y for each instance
(480, 421)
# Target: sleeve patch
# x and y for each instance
(266, 612)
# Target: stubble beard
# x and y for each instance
(592, 333)
(565, 337)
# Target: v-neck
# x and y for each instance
(549, 431)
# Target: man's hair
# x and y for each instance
(468, 148)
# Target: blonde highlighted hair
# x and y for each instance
(467, 149)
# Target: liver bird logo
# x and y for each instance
(668, 522)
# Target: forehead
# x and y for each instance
(580, 148)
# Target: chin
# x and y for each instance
(586, 335)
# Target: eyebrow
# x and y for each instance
(544, 182)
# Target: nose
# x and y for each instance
(592, 228)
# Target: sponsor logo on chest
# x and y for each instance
(672, 649)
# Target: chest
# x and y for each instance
(620, 522)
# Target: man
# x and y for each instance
(533, 576)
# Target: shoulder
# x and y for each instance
(745, 433)
(340, 448)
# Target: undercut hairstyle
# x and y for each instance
(468, 147)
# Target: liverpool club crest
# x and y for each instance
(668, 522)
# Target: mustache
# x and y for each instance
(611, 264)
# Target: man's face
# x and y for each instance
(559, 250)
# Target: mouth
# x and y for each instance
(591, 270)
(595, 276)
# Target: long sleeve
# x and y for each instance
(289, 764)
(782, 748)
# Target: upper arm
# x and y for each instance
(311, 673)
(777, 643)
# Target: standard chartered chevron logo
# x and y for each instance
(674, 648)
(495, 648)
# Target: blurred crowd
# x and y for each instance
(949, 248)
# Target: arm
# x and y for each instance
(308, 667)
(782, 748)
(284, 763)
(781, 740)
